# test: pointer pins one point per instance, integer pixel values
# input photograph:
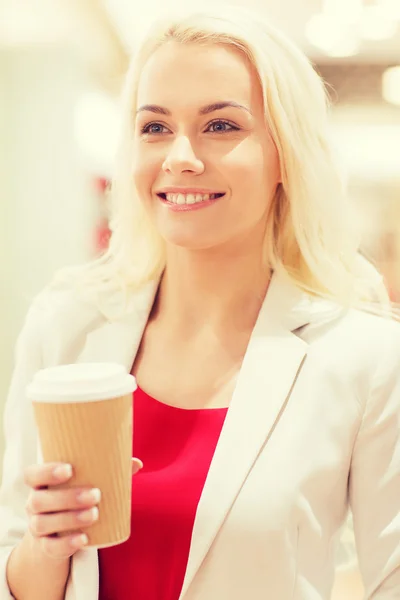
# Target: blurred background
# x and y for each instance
(62, 63)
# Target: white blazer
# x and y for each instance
(313, 425)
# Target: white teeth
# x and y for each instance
(189, 198)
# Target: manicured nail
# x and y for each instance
(87, 516)
(89, 496)
(63, 472)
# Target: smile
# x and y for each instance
(189, 198)
(189, 201)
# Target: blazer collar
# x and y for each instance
(293, 307)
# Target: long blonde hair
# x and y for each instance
(309, 236)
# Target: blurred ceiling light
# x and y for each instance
(347, 11)
(369, 151)
(331, 35)
(390, 8)
(391, 85)
(26, 24)
(97, 130)
(376, 25)
(349, 46)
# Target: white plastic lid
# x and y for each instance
(81, 382)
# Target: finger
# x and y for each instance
(46, 501)
(63, 547)
(40, 476)
(136, 465)
(48, 524)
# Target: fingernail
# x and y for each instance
(80, 540)
(63, 472)
(87, 516)
(140, 465)
(90, 496)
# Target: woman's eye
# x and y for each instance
(221, 127)
(154, 129)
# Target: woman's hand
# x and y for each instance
(58, 517)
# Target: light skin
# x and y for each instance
(201, 124)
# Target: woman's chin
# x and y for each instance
(187, 244)
(184, 235)
(188, 241)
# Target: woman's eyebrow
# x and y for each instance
(205, 110)
(159, 110)
(220, 105)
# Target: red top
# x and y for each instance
(176, 446)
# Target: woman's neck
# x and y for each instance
(217, 288)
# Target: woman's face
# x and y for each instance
(204, 162)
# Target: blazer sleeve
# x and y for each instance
(20, 440)
(374, 483)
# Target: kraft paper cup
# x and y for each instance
(84, 416)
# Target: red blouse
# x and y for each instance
(176, 446)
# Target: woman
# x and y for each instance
(232, 289)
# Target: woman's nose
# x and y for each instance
(181, 157)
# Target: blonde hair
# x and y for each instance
(309, 236)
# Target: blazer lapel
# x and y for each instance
(269, 370)
(117, 339)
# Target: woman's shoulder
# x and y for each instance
(60, 297)
(71, 299)
(359, 342)
(382, 327)
(56, 315)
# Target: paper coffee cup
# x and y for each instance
(84, 416)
